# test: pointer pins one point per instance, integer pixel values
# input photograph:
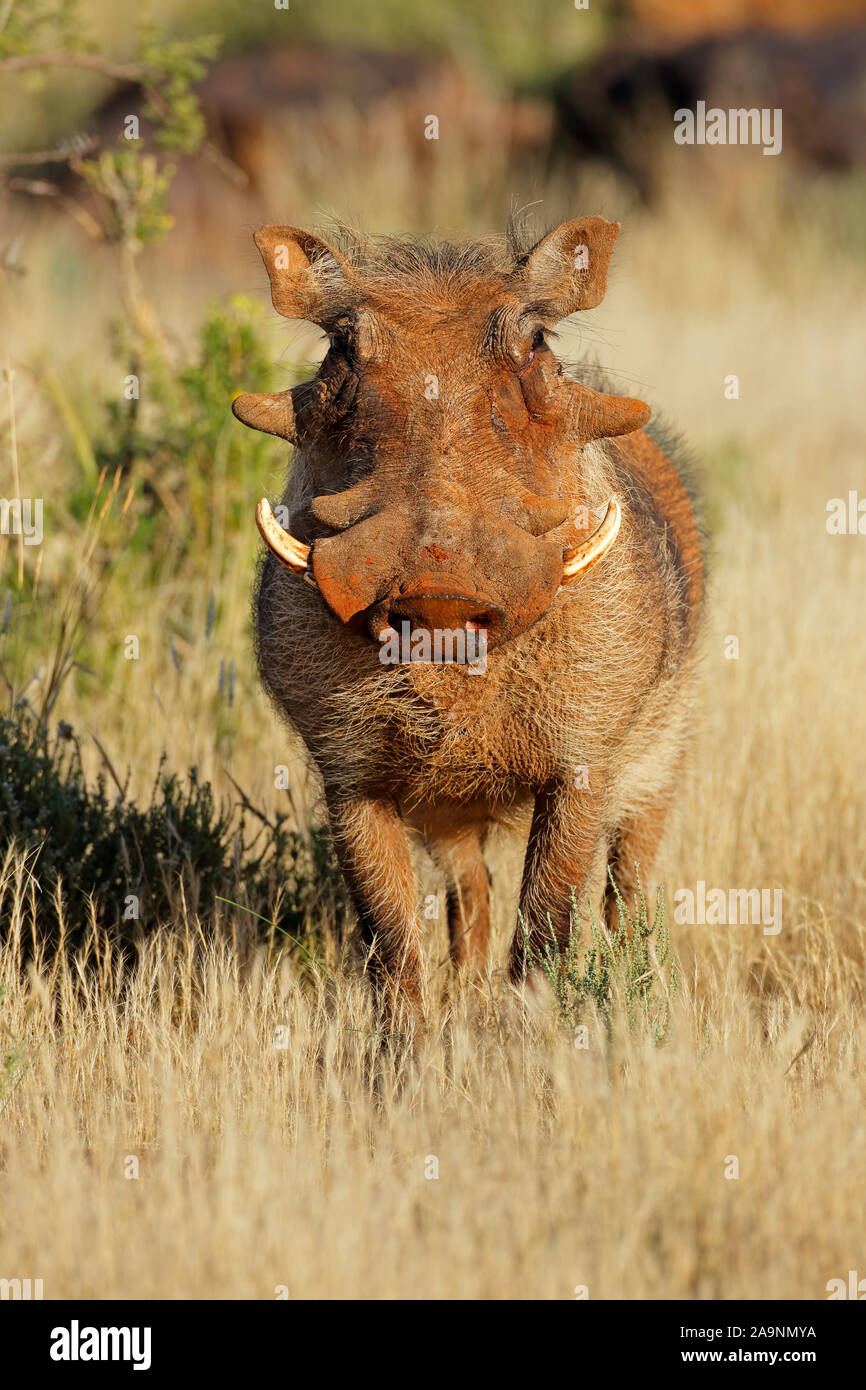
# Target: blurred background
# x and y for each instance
(148, 794)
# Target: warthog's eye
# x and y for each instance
(341, 340)
(537, 343)
(343, 337)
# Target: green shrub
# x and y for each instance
(196, 471)
(180, 848)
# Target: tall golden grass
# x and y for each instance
(494, 1158)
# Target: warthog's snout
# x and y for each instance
(438, 607)
(370, 577)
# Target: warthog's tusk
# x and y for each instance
(583, 557)
(280, 543)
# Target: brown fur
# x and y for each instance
(435, 509)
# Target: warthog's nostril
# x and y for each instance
(436, 613)
(476, 621)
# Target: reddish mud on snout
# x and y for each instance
(462, 570)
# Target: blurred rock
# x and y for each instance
(619, 107)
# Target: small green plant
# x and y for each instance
(128, 183)
(13, 1065)
(630, 966)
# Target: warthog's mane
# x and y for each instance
(413, 263)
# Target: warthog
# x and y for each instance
(450, 477)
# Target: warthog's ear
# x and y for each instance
(567, 270)
(303, 270)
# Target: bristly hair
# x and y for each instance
(416, 260)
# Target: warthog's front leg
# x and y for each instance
(373, 850)
(566, 851)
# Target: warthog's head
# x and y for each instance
(438, 438)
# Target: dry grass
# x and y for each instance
(558, 1167)
(307, 1166)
